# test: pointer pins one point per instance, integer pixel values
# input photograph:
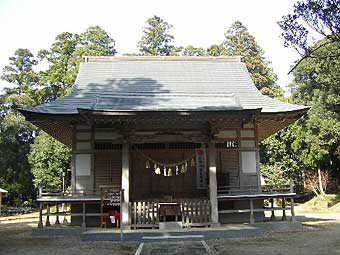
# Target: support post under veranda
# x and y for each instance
(40, 223)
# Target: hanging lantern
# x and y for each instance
(147, 164)
(192, 162)
(169, 172)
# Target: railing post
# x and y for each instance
(252, 220)
(40, 224)
(292, 209)
(284, 209)
(272, 217)
(57, 215)
(83, 225)
(47, 224)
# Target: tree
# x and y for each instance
(280, 161)
(316, 83)
(316, 16)
(60, 76)
(15, 137)
(49, 159)
(95, 42)
(65, 56)
(156, 39)
(239, 42)
(217, 50)
(20, 72)
(193, 51)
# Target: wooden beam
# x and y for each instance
(125, 185)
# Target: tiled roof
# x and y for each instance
(158, 84)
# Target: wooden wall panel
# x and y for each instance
(108, 168)
(228, 165)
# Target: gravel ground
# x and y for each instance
(321, 235)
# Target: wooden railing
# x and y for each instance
(251, 189)
(193, 212)
(68, 193)
(252, 193)
(144, 214)
(196, 213)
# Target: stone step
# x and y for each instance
(170, 225)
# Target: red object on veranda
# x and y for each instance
(106, 218)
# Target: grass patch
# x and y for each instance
(328, 202)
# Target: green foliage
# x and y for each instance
(15, 137)
(31, 88)
(317, 83)
(217, 50)
(239, 42)
(156, 39)
(95, 42)
(314, 142)
(48, 159)
(274, 176)
(280, 155)
(62, 71)
(20, 72)
(65, 56)
(320, 16)
(193, 51)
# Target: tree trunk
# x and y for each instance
(320, 183)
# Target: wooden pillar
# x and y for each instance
(252, 219)
(40, 223)
(83, 225)
(57, 222)
(213, 184)
(73, 162)
(47, 224)
(125, 185)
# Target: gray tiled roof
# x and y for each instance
(161, 85)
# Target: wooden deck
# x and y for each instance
(190, 212)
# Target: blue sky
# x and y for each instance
(33, 24)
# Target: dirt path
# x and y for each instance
(321, 235)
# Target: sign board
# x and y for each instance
(113, 198)
(201, 169)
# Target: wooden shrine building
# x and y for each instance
(179, 135)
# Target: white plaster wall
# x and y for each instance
(247, 143)
(248, 161)
(83, 165)
(247, 133)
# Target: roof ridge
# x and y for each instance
(161, 58)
